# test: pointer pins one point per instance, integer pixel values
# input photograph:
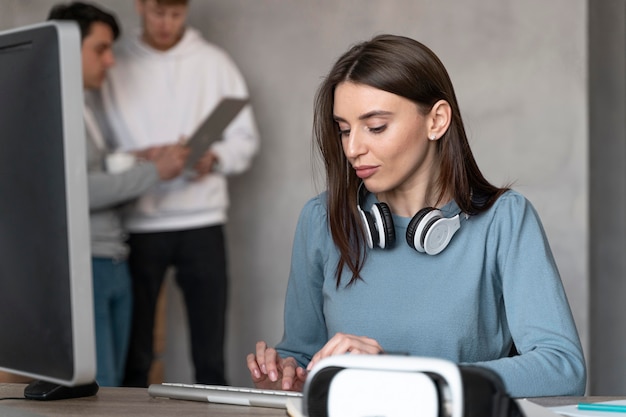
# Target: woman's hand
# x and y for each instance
(342, 343)
(270, 371)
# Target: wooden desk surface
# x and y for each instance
(119, 402)
(137, 402)
(559, 401)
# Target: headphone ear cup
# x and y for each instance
(438, 233)
(384, 225)
(413, 238)
(370, 228)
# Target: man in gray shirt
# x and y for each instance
(113, 179)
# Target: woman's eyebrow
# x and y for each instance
(365, 116)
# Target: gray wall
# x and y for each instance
(520, 70)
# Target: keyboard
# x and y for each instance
(223, 394)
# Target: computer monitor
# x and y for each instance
(46, 299)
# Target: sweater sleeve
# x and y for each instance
(305, 328)
(550, 358)
(108, 190)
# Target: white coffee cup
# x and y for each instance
(117, 162)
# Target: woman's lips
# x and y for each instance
(365, 171)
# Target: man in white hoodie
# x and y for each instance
(166, 81)
(110, 187)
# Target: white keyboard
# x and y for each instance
(223, 394)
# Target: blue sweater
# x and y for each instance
(496, 283)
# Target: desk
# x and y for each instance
(558, 401)
(136, 402)
(120, 402)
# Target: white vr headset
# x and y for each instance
(401, 386)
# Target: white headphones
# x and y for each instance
(428, 231)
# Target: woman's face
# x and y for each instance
(384, 137)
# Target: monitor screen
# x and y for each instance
(46, 300)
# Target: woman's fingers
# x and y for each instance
(261, 347)
(269, 371)
(345, 343)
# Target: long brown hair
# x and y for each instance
(409, 69)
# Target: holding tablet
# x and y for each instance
(211, 128)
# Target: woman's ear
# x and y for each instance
(439, 119)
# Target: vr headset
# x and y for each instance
(394, 386)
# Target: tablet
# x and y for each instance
(212, 127)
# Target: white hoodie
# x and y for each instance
(156, 97)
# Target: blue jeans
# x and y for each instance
(112, 294)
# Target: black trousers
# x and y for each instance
(199, 256)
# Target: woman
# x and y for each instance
(373, 271)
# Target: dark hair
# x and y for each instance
(409, 69)
(85, 14)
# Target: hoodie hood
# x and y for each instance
(189, 43)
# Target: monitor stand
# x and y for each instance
(46, 391)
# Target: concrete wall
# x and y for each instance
(520, 71)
